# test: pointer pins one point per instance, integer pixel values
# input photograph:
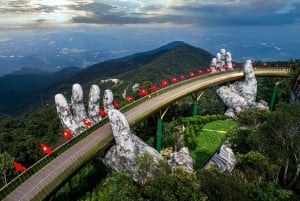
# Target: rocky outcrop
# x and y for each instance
(182, 158)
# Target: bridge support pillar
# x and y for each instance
(195, 108)
(196, 98)
(159, 134)
(275, 89)
(159, 130)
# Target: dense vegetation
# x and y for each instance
(267, 145)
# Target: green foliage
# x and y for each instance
(21, 136)
(87, 178)
(268, 192)
(116, 187)
(145, 167)
(178, 185)
(6, 168)
(254, 166)
(222, 186)
(209, 140)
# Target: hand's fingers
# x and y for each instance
(65, 114)
(93, 110)
(108, 100)
(120, 128)
(78, 108)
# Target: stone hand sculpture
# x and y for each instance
(221, 62)
(121, 156)
(78, 120)
(240, 94)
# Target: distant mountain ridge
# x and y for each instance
(26, 87)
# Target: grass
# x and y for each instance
(211, 137)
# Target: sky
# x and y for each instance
(257, 29)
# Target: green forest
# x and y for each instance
(266, 144)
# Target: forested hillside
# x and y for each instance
(268, 167)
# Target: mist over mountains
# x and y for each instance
(55, 50)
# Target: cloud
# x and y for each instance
(198, 13)
(72, 50)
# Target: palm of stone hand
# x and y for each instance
(78, 120)
(241, 94)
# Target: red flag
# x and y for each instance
(174, 79)
(102, 112)
(130, 98)
(46, 149)
(164, 83)
(19, 167)
(182, 77)
(116, 104)
(200, 72)
(67, 133)
(264, 64)
(153, 87)
(143, 91)
(192, 74)
(86, 122)
(208, 70)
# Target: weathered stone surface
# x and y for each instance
(122, 155)
(73, 120)
(239, 95)
(182, 158)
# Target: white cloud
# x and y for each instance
(72, 50)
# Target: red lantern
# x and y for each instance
(164, 83)
(253, 64)
(102, 112)
(86, 122)
(67, 133)
(207, 70)
(216, 68)
(153, 87)
(116, 104)
(143, 91)
(19, 167)
(174, 79)
(130, 98)
(46, 149)
(233, 65)
(192, 74)
(264, 64)
(182, 77)
(225, 67)
(200, 72)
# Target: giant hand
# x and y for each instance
(121, 156)
(240, 94)
(77, 120)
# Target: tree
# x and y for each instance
(175, 185)
(222, 186)
(282, 132)
(254, 167)
(117, 187)
(6, 166)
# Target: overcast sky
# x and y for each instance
(273, 23)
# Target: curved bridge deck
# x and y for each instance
(39, 183)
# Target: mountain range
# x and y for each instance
(28, 87)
